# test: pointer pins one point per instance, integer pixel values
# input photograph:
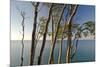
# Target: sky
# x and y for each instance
(84, 13)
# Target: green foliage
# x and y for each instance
(90, 26)
(42, 25)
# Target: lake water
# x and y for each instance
(85, 52)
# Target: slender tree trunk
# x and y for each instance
(44, 35)
(33, 45)
(69, 45)
(53, 45)
(52, 58)
(68, 56)
(60, 50)
(23, 18)
(75, 50)
(52, 29)
(73, 41)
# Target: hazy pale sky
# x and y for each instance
(84, 13)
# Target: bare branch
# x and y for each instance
(33, 3)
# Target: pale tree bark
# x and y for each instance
(44, 35)
(60, 50)
(73, 12)
(53, 45)
(33, 45)
(76, 45)
(23, 19)
(75, 50)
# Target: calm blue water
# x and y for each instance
(85, 52)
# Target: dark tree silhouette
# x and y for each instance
(52, 58)
(33, 45)
(53, 45)
(44, 35)
(72, 13)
